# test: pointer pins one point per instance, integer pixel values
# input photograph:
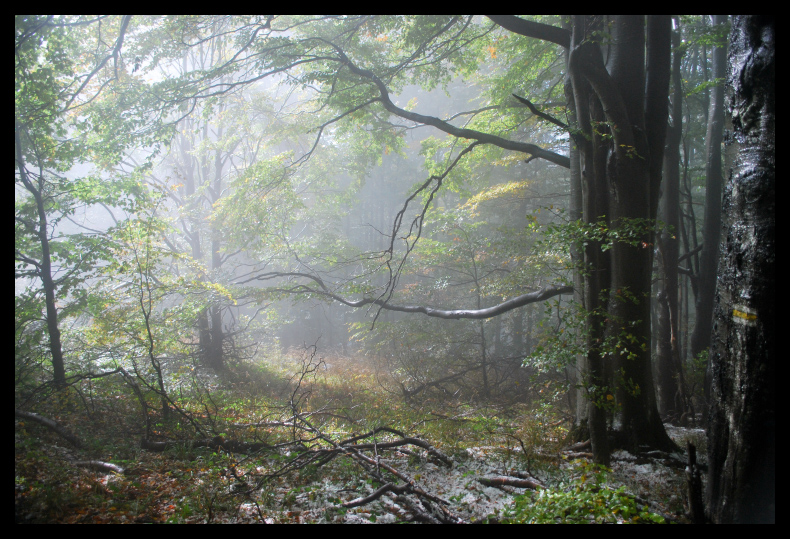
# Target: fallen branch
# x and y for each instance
(408, 493)
(405, 440)
(509, 482)
(98, 465)
(389, 487)
(50, 424)
(424, 506)
(577, 455)
(579, 446)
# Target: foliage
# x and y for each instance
(583, 499)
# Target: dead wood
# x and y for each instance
(577, 455)
(509, 482)
(579, 446)
(419, 513)
(99, 466)
(423, 505)
(389, 487)
(404, 440)
(50, 424)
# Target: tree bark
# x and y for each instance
(633, 178)
(741, 483)
(671, 386)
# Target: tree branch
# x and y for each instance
(114, 54)
(50, 424)
(533, 109)
(583, 61)
(450, 314)
(538, 30)
(448, 128)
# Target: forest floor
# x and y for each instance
(463, 444)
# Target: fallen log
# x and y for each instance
(579, 446)
(99, 466)
(505, 481)
(577, 455)
(50, 424)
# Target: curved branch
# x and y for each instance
(538, 30)
(450, 314)
(448, 128)
(50, 424)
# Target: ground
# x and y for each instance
(202, 484)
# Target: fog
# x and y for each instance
(252, 220)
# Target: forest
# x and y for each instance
(394, 269)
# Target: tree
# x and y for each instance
(671, 385)
(49, 86)
(621, 112)
(700, 338)
(742, 420)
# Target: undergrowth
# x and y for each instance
(187, 484)
(584, 498)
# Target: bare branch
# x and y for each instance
(452, 314)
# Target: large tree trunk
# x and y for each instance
(671, 387)
(621, 113)
(742, 420)
(624, 169)
(592, 159)
(634, 176)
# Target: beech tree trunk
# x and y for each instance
(741, 483)
(671, 386)
(621, 110)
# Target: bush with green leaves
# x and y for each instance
(584, 499)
